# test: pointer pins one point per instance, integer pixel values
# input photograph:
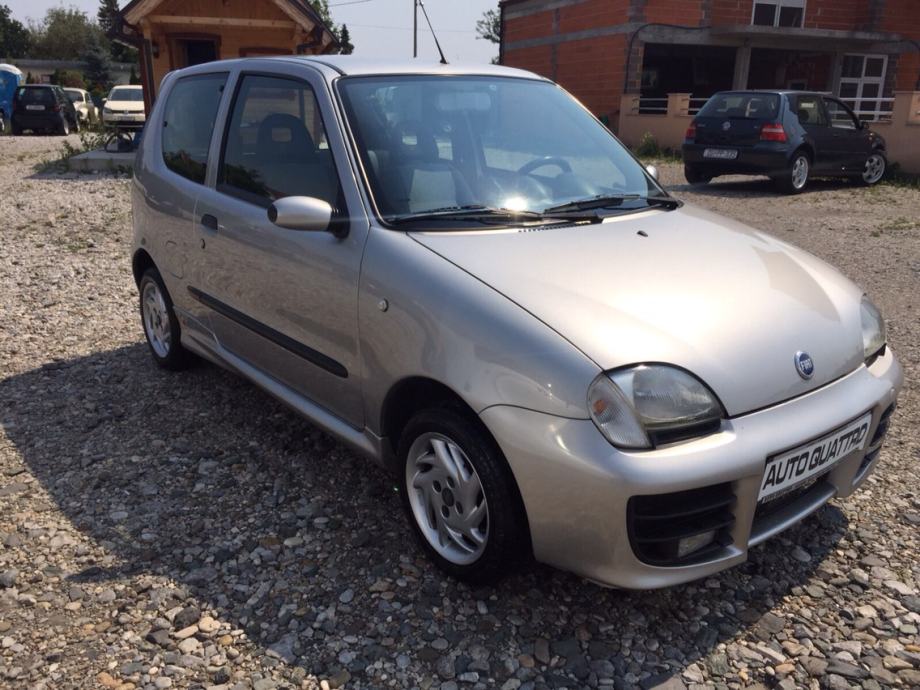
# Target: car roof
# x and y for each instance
(777, 92)
(357, 66)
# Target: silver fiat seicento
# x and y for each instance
(463, 275)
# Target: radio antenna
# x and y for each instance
(433, 34)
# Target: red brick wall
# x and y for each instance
(841, 15)
(903, 17)
(530, 26)
(592, 14)
(684, 12)
(592, 71)
(731, 12)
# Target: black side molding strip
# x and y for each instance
(280, 339)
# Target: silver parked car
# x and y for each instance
(463, 275)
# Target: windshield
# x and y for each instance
(749, 106)
(440, 143)
(126, 95)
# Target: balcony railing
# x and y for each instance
(871, 109)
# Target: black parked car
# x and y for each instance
(790, 136)
(43, 108)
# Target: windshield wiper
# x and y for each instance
(472, 212)
(603, 201)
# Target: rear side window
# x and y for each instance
(188, 121)
(275, 145)
(809, 111)
(750, 106)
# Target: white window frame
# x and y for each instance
(873, 114)
(779, 5)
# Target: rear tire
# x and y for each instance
(16, 129)
(460, 496)
(796, 177)
(161, 327)
(876, 167)
(695, 176)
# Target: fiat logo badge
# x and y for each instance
(804, 365)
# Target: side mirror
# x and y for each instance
(301, 213)
(104, 100)
(653, 171)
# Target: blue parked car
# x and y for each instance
(789, 136)
(10, 79)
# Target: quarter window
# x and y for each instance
(778, 13)
(808, 109)
(276, 145)
(188, 122)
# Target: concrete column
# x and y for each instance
(742, 67)
(678, 104)
(833, 84)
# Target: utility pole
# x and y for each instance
(415, 28)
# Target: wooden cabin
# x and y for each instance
(171, 34)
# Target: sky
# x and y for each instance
(378, 28)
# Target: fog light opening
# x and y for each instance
(689, 545)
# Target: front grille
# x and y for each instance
(875, 445)
(659, 522)
(766, 509)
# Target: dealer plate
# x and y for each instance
(723, 154)
(795, 467)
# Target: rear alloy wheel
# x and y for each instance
(460, 496)
(695, 175)
(876, 165)
(797, 175)
(161, 327)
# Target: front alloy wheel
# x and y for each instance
(875, 168)
(460, 496)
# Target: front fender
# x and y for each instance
(420, 315)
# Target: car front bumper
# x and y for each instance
(123, 120)
(577, 488)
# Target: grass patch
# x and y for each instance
(91, 138)
(900, 224)
(898, 178)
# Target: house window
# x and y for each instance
(862, 85)
(778, 13)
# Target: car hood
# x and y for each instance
(133, 106)
(687, 287)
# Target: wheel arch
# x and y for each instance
(140, 262)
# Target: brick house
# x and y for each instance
(860, 50)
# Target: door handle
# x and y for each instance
(209, 222)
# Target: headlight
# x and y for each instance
(873, 330)
(646, 405)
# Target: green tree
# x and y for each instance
(489, 27)
(98, 72)
(345, 45)
(107, 17)
(64, 34)
(14, 37)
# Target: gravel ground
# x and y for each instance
(185, 530)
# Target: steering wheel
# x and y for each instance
(536, 163)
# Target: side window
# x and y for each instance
(188, 122)
(840, 116)
(275, 145)
(810, 112)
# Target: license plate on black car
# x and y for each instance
(723, 154)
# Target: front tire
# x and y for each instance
(161, 327)
(875, 169)
(797, 175)
(460, 496)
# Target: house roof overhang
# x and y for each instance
(299, 11)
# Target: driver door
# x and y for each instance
(849, 138)
(284, 301)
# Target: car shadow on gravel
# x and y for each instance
(202, 480)
(759, 188)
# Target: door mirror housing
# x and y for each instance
(653, 171)
(301, 213)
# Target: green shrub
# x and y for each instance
(648, 146)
